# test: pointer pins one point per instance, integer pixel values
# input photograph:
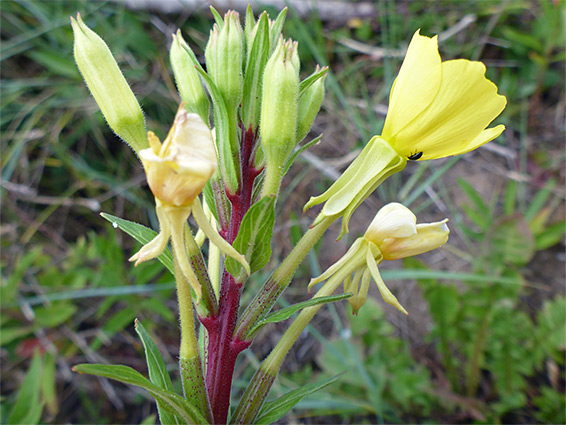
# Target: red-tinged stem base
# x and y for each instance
(223, 346)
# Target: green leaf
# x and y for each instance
(254, 237)
(11, 333)
(143, 235)
(150, 420)
(550, 236)
(9, 286)
(287, 312)
(53, 315)
(276, 28)
(48, 384)
(275, 410)
(313, 78)
(158, 374)
(217, 17)
(28, 408)
(299, 151)
(170, 401)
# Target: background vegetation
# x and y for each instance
(485, 339)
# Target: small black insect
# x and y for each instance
(415, 156)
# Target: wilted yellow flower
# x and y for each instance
(178, 169)
(393, 234)
(439, 109)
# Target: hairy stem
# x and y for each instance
(223, 348)
(261, 383)
(280, 279)
(189, 358)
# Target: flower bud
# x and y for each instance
(108, 86)
(224, 59)
(178, 169)
(279, 107)
(310, 101)
(187, 78)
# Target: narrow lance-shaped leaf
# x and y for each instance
(299, 150)
(158, 374)
(275, 410)
(170, 401)
(142, 234)
(27, 408)
(287, 312)
(276, 27)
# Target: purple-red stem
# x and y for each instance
(223, 347)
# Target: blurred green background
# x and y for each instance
(485, 339)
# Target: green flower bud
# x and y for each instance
(310, 101)
(108, 86)
(224, 59)
(279, 109)
(187, 78)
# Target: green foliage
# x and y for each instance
(168, 400)
(158, 373)
(254, 237)
(29, 404)
(143, 235)
(274, 410)
(285, 313)
(381, 377)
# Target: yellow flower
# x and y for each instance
(176, 172)
(178, 169)
(393, 234)
(439, 109)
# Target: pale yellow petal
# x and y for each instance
(465, 105)
(387, 295)
(416, 85)
(429, 236)
(393, 220)
(485, 136)
(351, 260)
(215, 238)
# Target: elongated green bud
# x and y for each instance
(187, 78)
(310, 101)
(224, 59)
(108, 86)
(279, 109)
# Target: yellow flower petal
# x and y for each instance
(394, 220)
(464, 106)
(429, 236)
(387, 295)
(178, 169)
(485, 136)
(416, 85)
